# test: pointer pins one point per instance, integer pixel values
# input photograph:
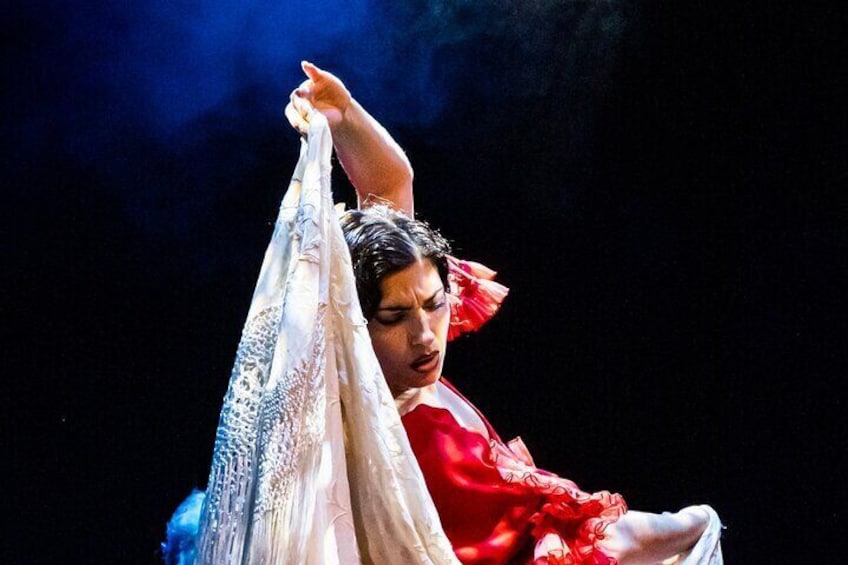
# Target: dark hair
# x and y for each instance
(382, 241)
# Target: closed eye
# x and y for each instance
(390, 320)
(434, 306)
(392, 315)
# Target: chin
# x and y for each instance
(421, 381)
(431, 379)
(412, 380)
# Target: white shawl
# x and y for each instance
(311, 462)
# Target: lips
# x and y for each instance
(426, 363)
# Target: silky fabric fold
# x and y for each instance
(311, 463)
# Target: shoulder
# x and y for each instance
(441, 409)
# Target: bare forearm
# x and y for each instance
(644, 538)
(373, 161)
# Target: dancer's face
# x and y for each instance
(409, 331)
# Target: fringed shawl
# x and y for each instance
(311, 463)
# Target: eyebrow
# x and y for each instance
(404, 308)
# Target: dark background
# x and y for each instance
(661, 187)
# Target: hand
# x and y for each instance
(373, 161)
(642, 537)
(322, 91)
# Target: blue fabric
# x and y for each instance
(180, 545)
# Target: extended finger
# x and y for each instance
(312, 71)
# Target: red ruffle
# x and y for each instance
(581, 525)
(495, 504)
(474, 296)
(559, 557)
(578, 517)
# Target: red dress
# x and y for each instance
(494, 503)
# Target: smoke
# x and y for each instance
(177, 106)
(158, 65)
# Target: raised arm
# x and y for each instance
(372, 160)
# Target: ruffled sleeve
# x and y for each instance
(495, 504)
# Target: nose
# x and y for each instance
(421, 333)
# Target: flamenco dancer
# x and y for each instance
(447, 488)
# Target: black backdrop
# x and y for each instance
(656, 184)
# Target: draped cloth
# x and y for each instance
(707, 551)
(311, 463)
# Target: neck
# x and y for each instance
(412, 397)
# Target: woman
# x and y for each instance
(495, 506)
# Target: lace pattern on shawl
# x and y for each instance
(311, 464)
